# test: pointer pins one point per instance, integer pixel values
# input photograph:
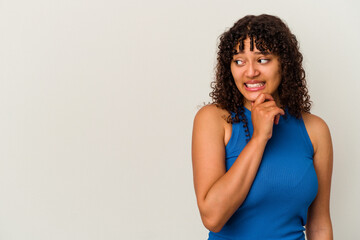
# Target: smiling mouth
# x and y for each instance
(254, 85)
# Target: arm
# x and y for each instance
(319, 225)
(219, 193)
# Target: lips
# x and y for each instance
(249, 85)
(254, 85)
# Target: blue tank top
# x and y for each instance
(283, 189)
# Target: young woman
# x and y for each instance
(262, 162)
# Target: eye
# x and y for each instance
(239, 62)
(263, 60)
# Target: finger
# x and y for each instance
(276, 110)
(277, 116)
(259, 99)
(277, 119)
(269, 104)
(262, 97)
(268, 97)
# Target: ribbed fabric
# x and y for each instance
(283, 189)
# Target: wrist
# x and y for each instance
(259, 140)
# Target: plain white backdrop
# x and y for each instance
(97, 101)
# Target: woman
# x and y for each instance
(262, 162)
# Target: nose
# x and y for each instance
(251, 70)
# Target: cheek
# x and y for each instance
(236, 73)
(276, 78)
(232, 69)
(238, 85)
(237, 79)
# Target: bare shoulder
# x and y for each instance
(314, 121)
(210, 124)
(211, 112)
(317, 129)
(212, 117)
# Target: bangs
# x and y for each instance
(256, 41)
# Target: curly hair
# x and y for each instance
(270, 34)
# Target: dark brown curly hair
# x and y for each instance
(270, 34)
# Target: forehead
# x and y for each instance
(250, 44)
(246, 49)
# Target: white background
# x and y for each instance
(97, 100)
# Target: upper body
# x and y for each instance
(212, 117)
(257, 75)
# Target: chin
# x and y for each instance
(252, 97)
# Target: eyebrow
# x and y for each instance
(257, 52)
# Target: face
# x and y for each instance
(255, 72)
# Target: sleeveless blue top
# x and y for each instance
(283, 189)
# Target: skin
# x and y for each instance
(219, 193)
(255, 65)
(319, 226)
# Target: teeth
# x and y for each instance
(254, 85)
